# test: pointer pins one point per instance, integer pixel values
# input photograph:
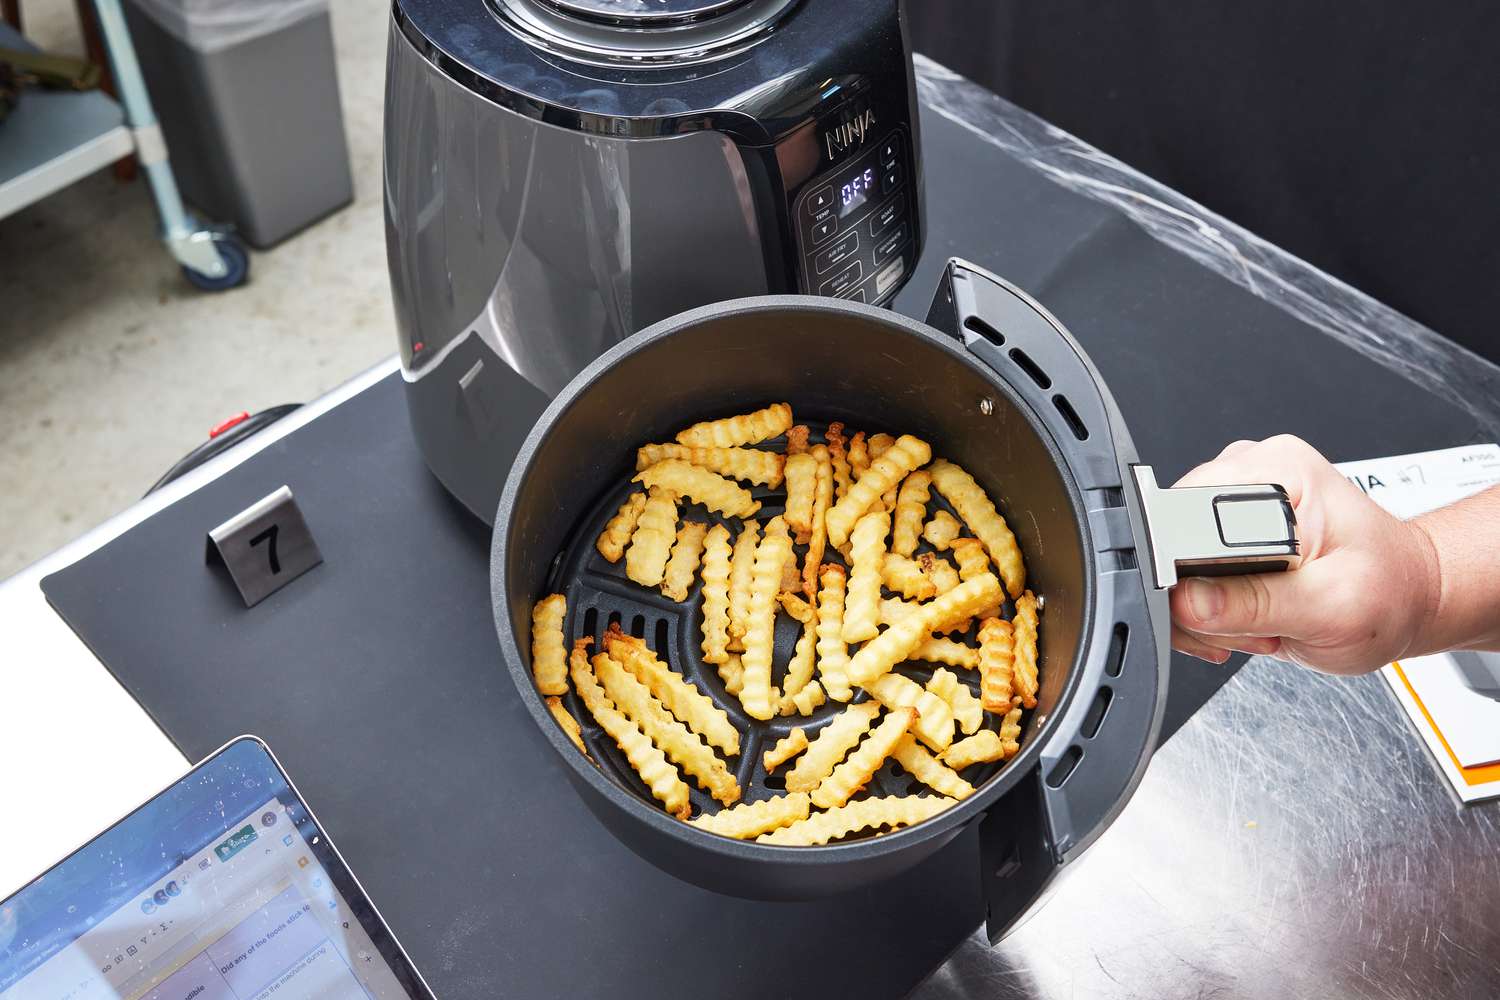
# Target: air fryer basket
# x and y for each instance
(1004, 391)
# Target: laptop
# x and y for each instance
(222, 887)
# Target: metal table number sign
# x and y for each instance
(265, 546)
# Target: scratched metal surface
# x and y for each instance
(1325, 857)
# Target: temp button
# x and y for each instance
(825, 229)
(837, 253)
(821, 199)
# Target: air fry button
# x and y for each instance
(236, 842)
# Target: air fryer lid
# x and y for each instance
(1005, 393)
(641, 32)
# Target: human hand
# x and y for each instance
(1365, 591)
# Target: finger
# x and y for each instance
(1284, 460)
(1193, 646)
(1290, 605)
(1255, 645)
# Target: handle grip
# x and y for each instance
(1215, 530)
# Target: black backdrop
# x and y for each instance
(1363, 137)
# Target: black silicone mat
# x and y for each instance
(376, 677)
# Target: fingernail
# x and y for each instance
(1204, 599)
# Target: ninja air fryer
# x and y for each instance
(562, 173)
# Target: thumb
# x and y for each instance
(1260, 604)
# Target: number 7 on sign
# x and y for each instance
(264, 547)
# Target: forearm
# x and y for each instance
(1463, 589)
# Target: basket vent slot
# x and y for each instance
(1070, 417)
(976, 325)
(1030, 367)
(1095, 716)
(1115, 560)
(661, 636)
(590, 623)
(1108, 497)
(1114, 662)
(638, 626)
(1063, 769)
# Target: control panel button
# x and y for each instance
(890, 245)
(858, 295)
(890, 152)
(887, 215)
(843, 281)
(837, 253)
(889, 276)
(890, 180)
(825, 229)
(821, 199)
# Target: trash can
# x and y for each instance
(248, 98)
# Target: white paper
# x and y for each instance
(1467, 721)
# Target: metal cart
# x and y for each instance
(54, 138)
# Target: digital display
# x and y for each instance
(856, 191)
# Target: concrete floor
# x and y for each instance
(112, 366)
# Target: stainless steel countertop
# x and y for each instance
(1292, 839)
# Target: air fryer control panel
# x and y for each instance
(856, 224)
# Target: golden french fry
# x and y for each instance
(732, 673)
(683, 565)
(796, 439)
(741, 567)
(649, 762)
(833, 653)
(843, 476)
(891, 810)
(747, 428)
(936, 649)
(617, 531)
(940, 571)
(981, 748)
(880, 444)
(929, 770)
(791, 577)
(1025, 628)
(894, 609)
(903, 575)
(716, 555)
(685, 749)
(567, 722)
(801, 485)
(860, 766)
(859, 455)
(694, 708)
(799, 669)
(979, 513)
(749, 464)
(896, 643)
(973, 561)
(549, 652)
(1010, 732)
(829, 746)
(808, 699)
(785, 749)
(905, 455)
(911, 508)
(760, 619)
(967, 710)
(996, 664)
(646, 559)
(896, 691)
(942, 529)
(751, 819)
(867, 549)
(822, 500)
(698, 484)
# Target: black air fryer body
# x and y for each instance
(562, 173)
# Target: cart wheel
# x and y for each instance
(236, 262)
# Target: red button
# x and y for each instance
(238, 418)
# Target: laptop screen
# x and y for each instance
(220, 888)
